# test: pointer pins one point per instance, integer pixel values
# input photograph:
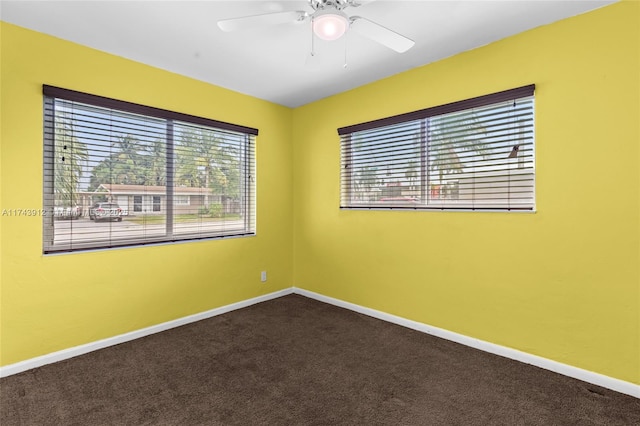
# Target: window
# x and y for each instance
(181, 200)
(140, 175)
(476, 154)
(137, 203)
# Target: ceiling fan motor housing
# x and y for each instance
(331, 4)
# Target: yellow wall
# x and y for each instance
(562, 283)
(50, 303)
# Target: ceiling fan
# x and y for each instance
(328, 21)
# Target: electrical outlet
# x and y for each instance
(263, 276)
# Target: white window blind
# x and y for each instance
(122, 174)
(476, 154)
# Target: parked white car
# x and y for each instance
(69, 212)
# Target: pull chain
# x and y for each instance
(345, 53)
(313, 53)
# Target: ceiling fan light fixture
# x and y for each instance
(330, 24)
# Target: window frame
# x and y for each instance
(348, 133)
(247, 162)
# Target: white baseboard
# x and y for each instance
(21, 366)
(558, 367)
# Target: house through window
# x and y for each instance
(476, 154)
(122, 174)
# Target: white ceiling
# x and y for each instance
(273, 63)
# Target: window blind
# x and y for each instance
(122, 174)
(476, 154)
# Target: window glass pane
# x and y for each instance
(209, 174)
(384, 164)
(470, 156)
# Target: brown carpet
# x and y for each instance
(297, 361)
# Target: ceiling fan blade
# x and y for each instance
(380, 34)
(249, 22)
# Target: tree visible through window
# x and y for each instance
(137, 175)
(476, 154)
